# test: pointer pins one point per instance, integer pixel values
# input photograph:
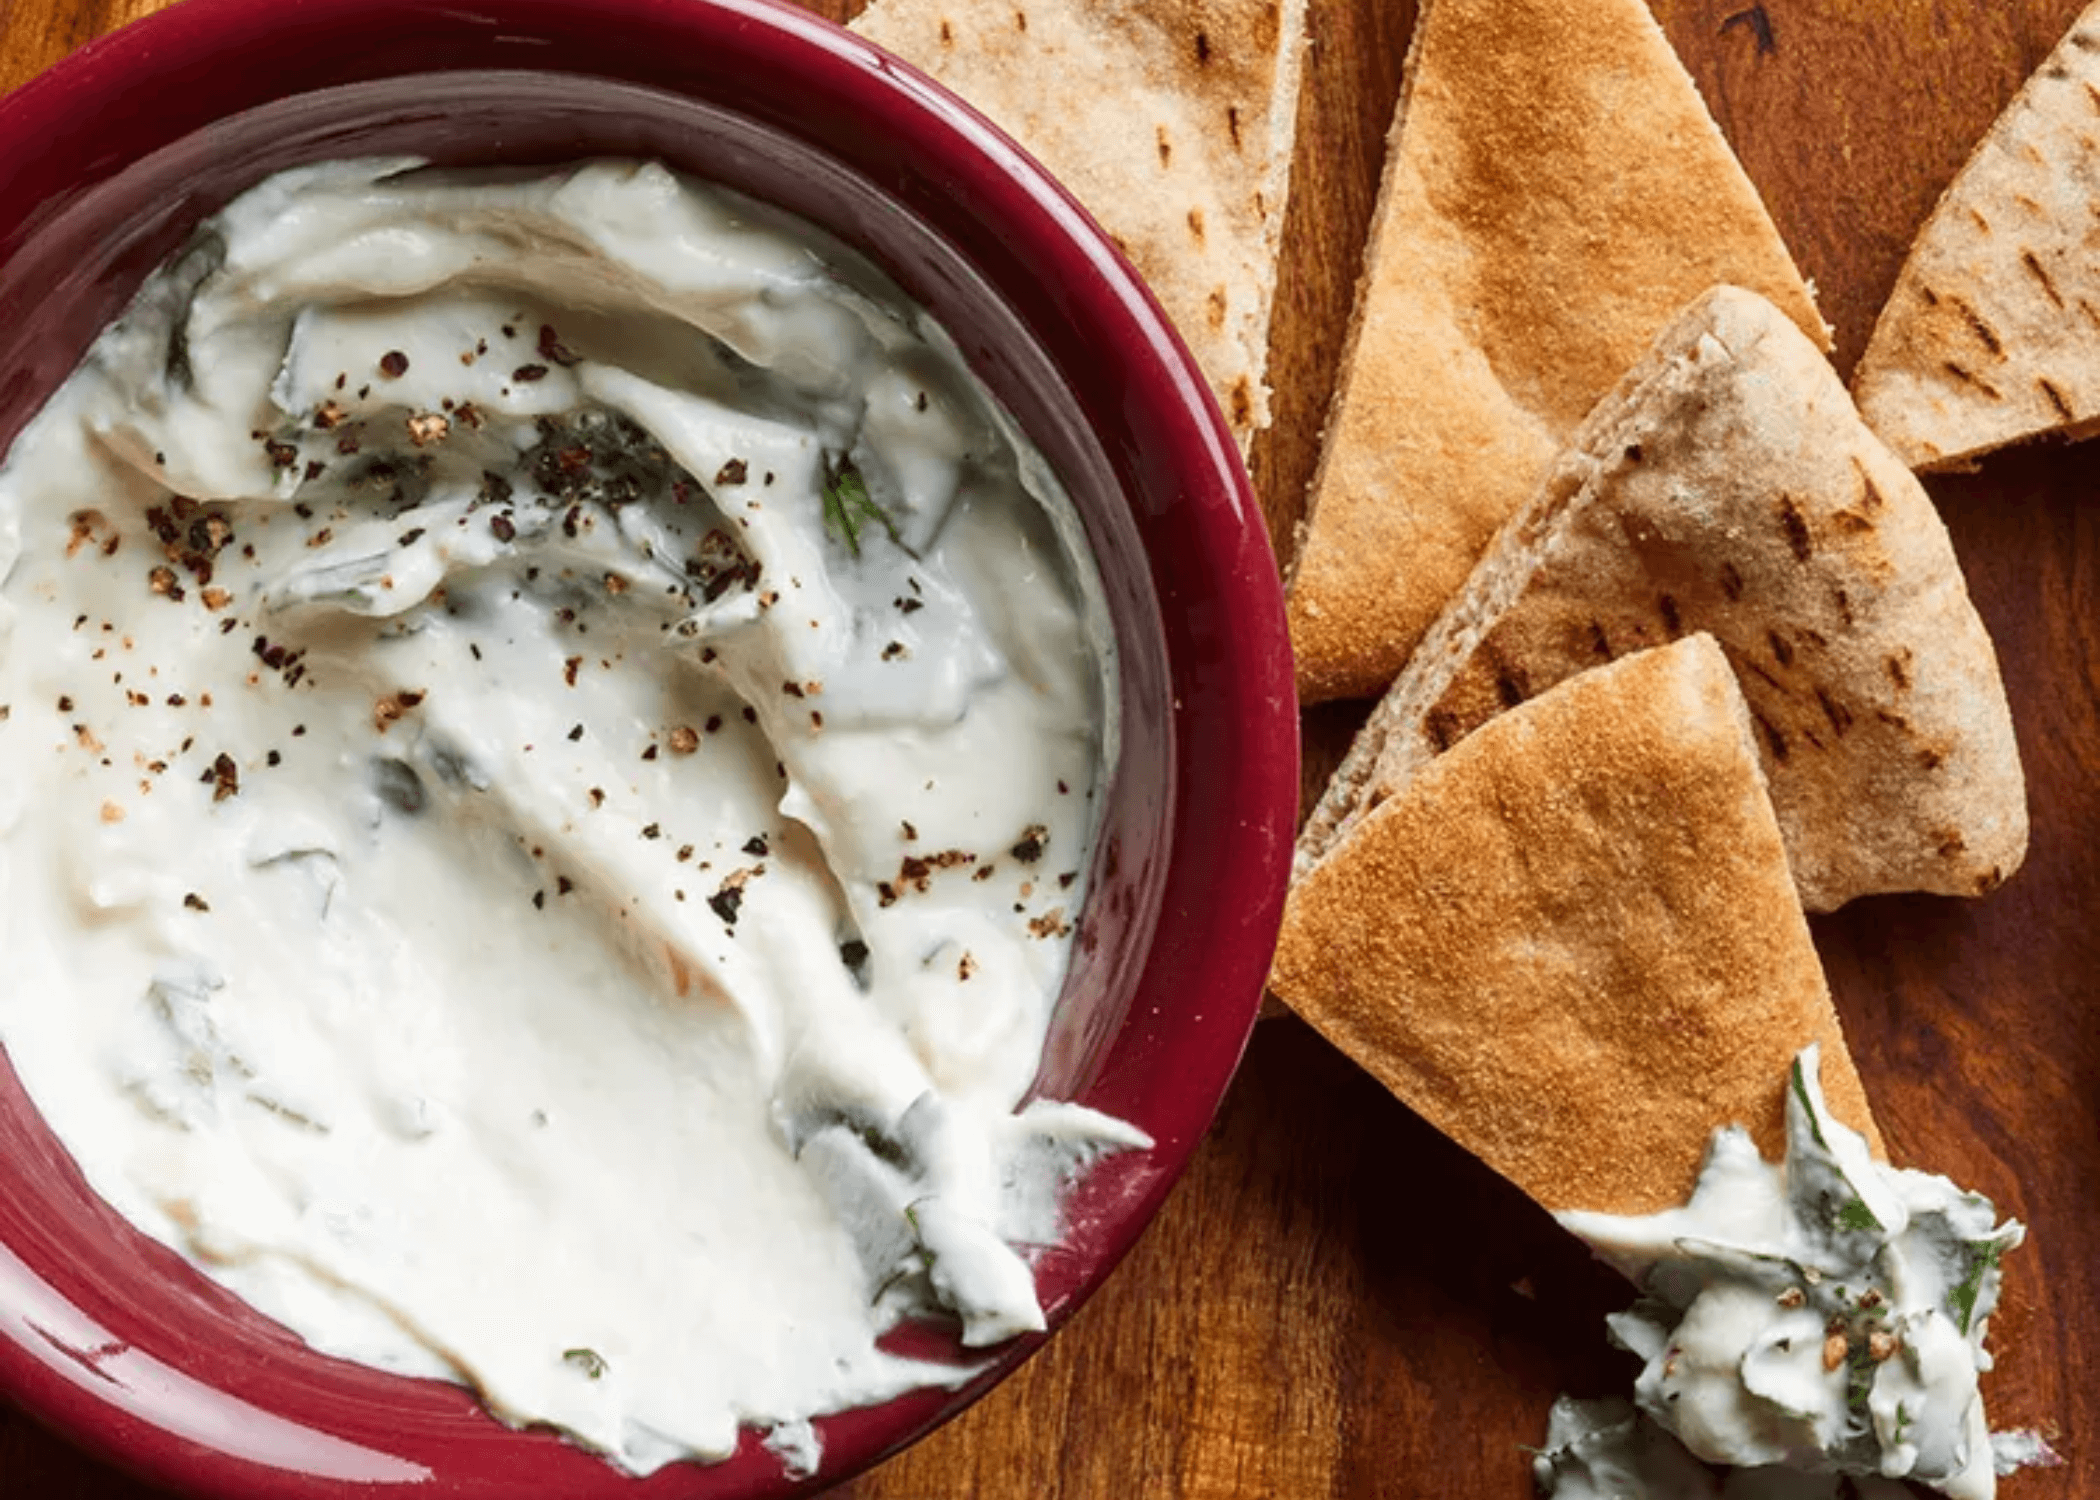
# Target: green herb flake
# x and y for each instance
(848, 507)
(1856, 1216)
(1963, 1298)
(589, 1361)
(1860, 1367)
(1808, 1110)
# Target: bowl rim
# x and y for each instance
(1250, 780)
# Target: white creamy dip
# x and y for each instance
(1825, 1313)
(553, 735)
(1606, 1450)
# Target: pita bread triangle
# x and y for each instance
(1172, 121)
(1992, 335)
(1572, 944)
(1554, 192)
(1728, 485)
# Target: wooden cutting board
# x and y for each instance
(1337, 1301)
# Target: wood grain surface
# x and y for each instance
(1339, 1303)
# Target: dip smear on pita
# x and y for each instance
(1572, 943)
(1172, 121)
(1992, 335)
(1729, 486)
(1554, 192)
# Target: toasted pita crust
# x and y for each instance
(1728, 485)
(1554, 193)
(1992, 335)
(1171, 120)
(1572, 944)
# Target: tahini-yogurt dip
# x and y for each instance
(552, 739)
(1825, 1313)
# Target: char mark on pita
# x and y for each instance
(1729, 486)
(1172, 122)
(1992, 335)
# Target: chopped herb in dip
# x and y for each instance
(1824, 1313)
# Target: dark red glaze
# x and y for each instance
(104, 164)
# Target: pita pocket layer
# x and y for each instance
(1992, 335)
(1554, 192)
(1172, 122)
(1729, 486)
(1572, 944)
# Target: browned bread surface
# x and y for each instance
(1992, 335)
(1572, 943)
(1729, 486)
(1171, 120)
(1554, 192)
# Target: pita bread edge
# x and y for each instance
(1988, 338)
(1572, 943)
(1806, 548)
(1188, 174)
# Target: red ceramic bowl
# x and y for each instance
(104, 163)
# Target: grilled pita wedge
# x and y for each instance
(1729, 486)
(1572, 943)
(1992, 335)
(1554, 192)
(1171, 120)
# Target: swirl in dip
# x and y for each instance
(553, 737)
